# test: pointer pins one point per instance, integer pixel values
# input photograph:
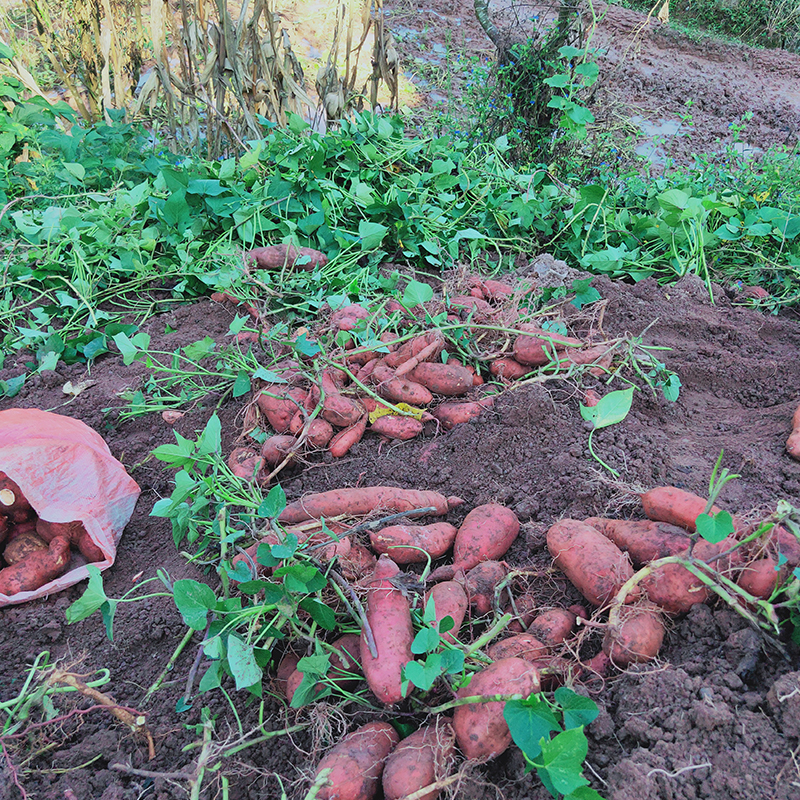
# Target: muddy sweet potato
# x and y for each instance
(452, 414)
(337, 409)
(13, 503)
(397, 389)
(676, 506)
(76, 534)
(276, 449)
(389, 616)
(348, 317)
(356, 763)
(395, 427)
(279, 403)
(359, 502)
(357, 564)
(521, 645)
(485, 535)
(523, 610)
(508, 369)
(5, 526)
(643, 540)
(286, 666)
(278, 256)
(345, 660)
(320, 433)
(535, 347)
(21, 545)
(448, 379)
(421, 759)
(245, 463)
(759, 578)
(637, 638)
(36, 569)
(594, 564)
(408, 544)
(480, 728)
(449, 600)
(343, 441)
(553, 626)
(409, 349)
(793, 442)
(480, 584)
(787, 544)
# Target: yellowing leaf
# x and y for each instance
(383, 411)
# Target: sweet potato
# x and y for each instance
(341, 443)
(643, 540)
(447, 379)
(521, 645)
(587, 355)
(480, 584)
(553, 626)
(279, 403)
(480, 728)
(357, 563)
(320, 433)
(36, 569)
(275, 449)
(428, 353)
(637, 638)
(676, 506)
(356, 763)
(485, 535)
(759, 578)
(20, 546)
(410, 348)
(286, 666)
(408, 544)
(345, 660)
(449, 600)
(422, 758)
(389, 616)
(278, 256)
(787, 545)
(594, 564)
(793, 442)
(359, 502)
(245, 463)
(497, 290)
(400, 390)
(76, 534)
(452, 414)
(471, 304)
(4, 527)
(508, 369)
(337, 409)
(524, 611)
(535, 346)
(348, 317)
(394, 427)
(13, 503)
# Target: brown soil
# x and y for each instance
(719, 702)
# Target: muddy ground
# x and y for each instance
(717, 717)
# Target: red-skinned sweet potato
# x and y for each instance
(13, 503)
(553, 626)
(449, 379)
(76, 534)
(408, 544)
(594, 564)
(356, 763)
(759, 578)
(343, 441)
(395, 427)
(345, 660)
(480, 728)
(480, 584)
(521, 645)
(359, 502)
(471, 303)
(535, 346)
(320, 433)
(348, 317)
(449, 600)
(389, 616)
(643, 540)
(275, 449)
(278, 256)
(357, 564)
(245, 463)
(421, 759)
(397, 389)
(36, 569)
(793, 442)
(4, 527)
(21, 545)
(509, 369)
(279, 403)
(409, 349)
(638, 636)
(452, 414)
(676, 506)
(286, 666)
(524, 611)
(337, 409)
(485, 535)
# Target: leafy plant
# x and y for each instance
(611, 410)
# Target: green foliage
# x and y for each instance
(611, 410)
(558, 759)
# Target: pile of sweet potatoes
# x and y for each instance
(393, 385)
(35, 551)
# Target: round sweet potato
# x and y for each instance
(245, 463)
(394, 427)
(553, 626)
(20, 546)
(759, 578)
(596, 566)
(356, 763)
(275, 449)
(320, 432)
(422, 758)
(480, 585)
(408, 544)
(480, 728)
(521, 645)
(637, 638)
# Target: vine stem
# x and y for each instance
(159, 681)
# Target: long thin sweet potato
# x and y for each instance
(449, 600)
(36, 569)
(358, 502)
(535, 346)
(793, 442)
(389, 615)
(643, 540)
(341, 443)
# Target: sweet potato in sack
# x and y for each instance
(76, 534)
(535, 346)
(393, 426)
(356, 763)
(389, 615)
(643, 540)
(449, 600)
(638, 636)
(480, 728)
(521, 645)
(793, 442)
(480, 584)
(5, 525)
(13, 504)
(35, 569)
(68, 475)
(278, 256)
(448, 379)
(408, 544)
(359, 502)
(594, 564)
(452, 414)
(421, 759)
(485, 535)
(20, 546)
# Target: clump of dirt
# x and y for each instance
(715, 718)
